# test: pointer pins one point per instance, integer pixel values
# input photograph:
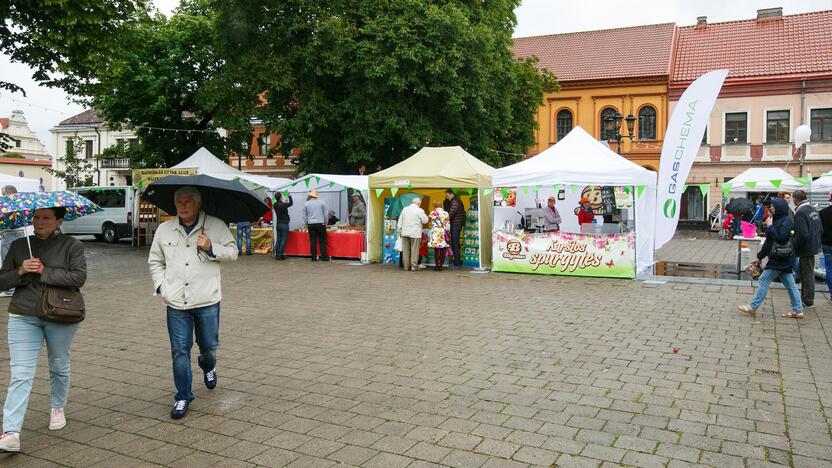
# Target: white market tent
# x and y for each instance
(578, 159)
(20, 183)
(765, 179)
(822, 184)
(332, 190)
(206, 163)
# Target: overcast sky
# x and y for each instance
(45, 107)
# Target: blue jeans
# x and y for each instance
(456, 232)
(243, 228)
(182, 325)
(787, 277)
(26, 337)
(827, 263)
(281, 235)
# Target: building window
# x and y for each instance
(132, 142)
(263, 142)
(705, 136)
(88, 149)
(736, 128)
(777, 126)
(822, 124)
(564, 120)
(16, 143)
(607, 135)
(647, 123)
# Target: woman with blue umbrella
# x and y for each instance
(35, 266)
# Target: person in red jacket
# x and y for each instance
(585, 214)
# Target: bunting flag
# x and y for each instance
(776, 182)
(537, 187)
(684, 188)
(573, 187)
(640, 190)
(525, 189)
(627, 189)
(306, 181)
(751, 184)
(317, 180)
(331, 184)
(286, 193)
(704, 189)
(141, 183)
(294, 183)
(504, 192)
(410, 187)
(470, 191)
(455, 191)
(802, 180)
(726, 187)
(394, 191)
(486, 191)
(379, 191)
(556, 187)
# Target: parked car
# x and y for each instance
(113, 222)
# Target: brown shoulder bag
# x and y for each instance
(61, 305)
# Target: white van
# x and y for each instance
(113, 222)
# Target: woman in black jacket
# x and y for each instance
(281, 225)
(55, 260)
(780, 231)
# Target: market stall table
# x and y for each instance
(740, 240)
(262, 240)
(338, 244)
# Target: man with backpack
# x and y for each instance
(807, 235)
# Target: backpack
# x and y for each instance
(782, 251)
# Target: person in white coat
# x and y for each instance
(410, 224)
(185, 266)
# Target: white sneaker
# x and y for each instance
(10, 442)
(6, 294)
(57, 419)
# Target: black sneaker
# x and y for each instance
(325, 259)
(210, 378)
(180, 409)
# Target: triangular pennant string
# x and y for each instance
(306, 181)
(776, 182)
(640, 190)
(525, 189)
(705, 189)
(556, 187)
(573, 187)
(470, 191)
(317, 180)
(802, 180)
(379, 191)
(751, 184)
(725, 189)
(394, 191)
(410, 187)
(331, 184)
(684, 188)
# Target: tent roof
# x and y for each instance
(20, 183)
(265, 181)
(433, 167)
(206, 163)
(357, 182)
(761, 178)
(577, 158)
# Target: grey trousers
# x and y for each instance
(410, 252)
(806, 271)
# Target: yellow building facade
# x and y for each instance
(585, 107)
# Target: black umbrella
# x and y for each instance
(739, 206)
(225, 199)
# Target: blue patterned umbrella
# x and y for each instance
(17, 209)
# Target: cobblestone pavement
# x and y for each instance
(703, 247)
(326, 364)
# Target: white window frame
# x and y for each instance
(747, 126)
(765, 124)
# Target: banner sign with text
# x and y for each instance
(562, 253)
(143, 177)
(681, 143)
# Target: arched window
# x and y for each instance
(564, 122)
(647, 123)
(605, 133)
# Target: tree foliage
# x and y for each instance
(76, 171)
(369, 81)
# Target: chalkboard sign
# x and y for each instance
(608, 199)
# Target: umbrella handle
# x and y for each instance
(28, 242)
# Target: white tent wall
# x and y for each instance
(761, 177)
(645, 206)
(20, 183)
(330, 191)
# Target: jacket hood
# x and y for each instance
(781, 209)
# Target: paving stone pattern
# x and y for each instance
(327, 364)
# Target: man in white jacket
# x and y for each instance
(185, 266)
(410, 229)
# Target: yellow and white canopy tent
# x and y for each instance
(430, 172)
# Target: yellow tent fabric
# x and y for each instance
(432, 168)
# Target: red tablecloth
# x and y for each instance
(338, 244)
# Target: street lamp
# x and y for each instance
(612, 126)
(244, 146)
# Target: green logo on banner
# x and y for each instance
(669, 208)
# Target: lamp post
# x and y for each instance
(244, 146)
(612, 126)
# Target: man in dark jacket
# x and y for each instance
(807, 233)
(281, 225)
(779, 230)
(826, 241)
(457, 215)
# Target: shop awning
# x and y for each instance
(447, 166)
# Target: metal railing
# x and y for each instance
(115, 163)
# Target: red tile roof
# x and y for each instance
(634, 52)
(89, 116)
(792, 45)
(4, 122)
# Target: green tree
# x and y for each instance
(77, 171)
(370, 82)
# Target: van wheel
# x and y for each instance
(109, 233)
